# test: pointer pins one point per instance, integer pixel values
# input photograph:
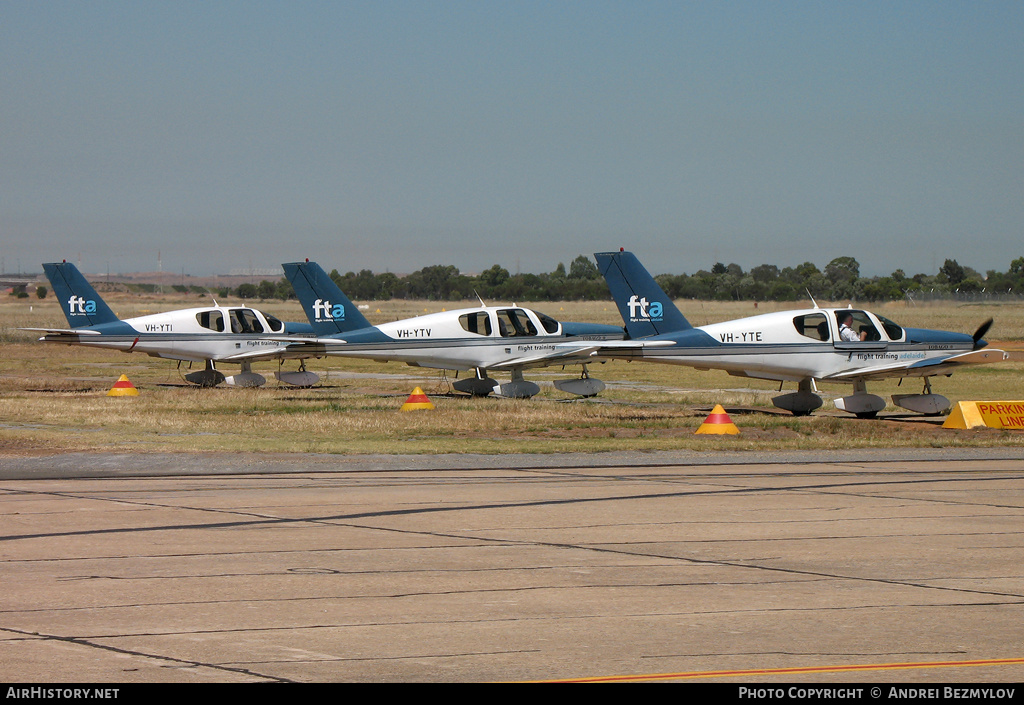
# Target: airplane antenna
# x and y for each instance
(480, 299)
(811, 298)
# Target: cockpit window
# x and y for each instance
(855, 326)
(211, 320)
(245, 321)
(479, 323)
(892, 330)
(513, 322)
(813, 325)
(549, 323)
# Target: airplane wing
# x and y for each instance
(570, 353)
(287, 347)
(925, 368)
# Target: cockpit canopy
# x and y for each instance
(242, 320)
(509, 323)
(848, 325)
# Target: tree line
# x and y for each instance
(839, 280)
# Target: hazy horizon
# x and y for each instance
(400, 134)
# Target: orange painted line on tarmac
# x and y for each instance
(793, 671)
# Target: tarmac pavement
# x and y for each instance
(888, 566)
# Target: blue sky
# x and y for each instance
(392, 135)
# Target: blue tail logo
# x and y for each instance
(642, 310)
(78, 306)
(326, 311)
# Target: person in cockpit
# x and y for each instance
(846, 332)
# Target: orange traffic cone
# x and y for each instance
(123, 388)
(718, 422)
(417, 400)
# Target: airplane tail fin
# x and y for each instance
(645, 307)
(81, 304)
(329, 311)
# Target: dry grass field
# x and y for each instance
(54, 398)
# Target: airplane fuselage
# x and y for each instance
(806, 344)
(485, 337)
(197, 334)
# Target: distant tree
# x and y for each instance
(842, 270)
(807, 270)
(266, 290)
(953, 272)
(41, 292)
(782, 291)
(883, 289)
(494, 277)
(765, 273)
(583, 268)
(283, 290)
(970, 286)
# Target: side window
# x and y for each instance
(244, 321)
(275, 324)
(856, 326)
(549, 323)
(478, 323)
(813, 325)
(892, 330)
(211, 320)
(250, 323)
(506, 328)
(512, 322)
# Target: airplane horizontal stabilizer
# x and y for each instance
(63, 331)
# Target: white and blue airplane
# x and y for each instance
(805, 346)
(482, 340)
(210, 334)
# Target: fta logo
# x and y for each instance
(78, 306)
(641, 309)
(323, 310)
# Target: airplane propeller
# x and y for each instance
(982, 330)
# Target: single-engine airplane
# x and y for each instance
(209, 334)
(485, 339)
(806, 346)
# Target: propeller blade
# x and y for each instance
(982, 330)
